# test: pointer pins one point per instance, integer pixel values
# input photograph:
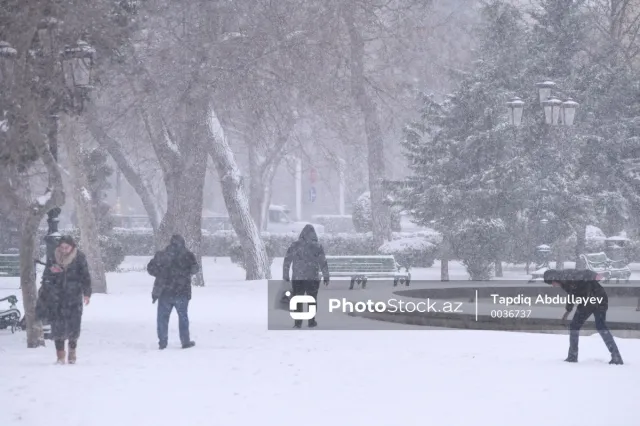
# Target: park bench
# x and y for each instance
(600, 263)
(360, 268)
(10, 264)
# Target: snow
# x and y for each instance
(594, 233)
(240, 373)
(231, 35)
(85, 194)
(43, 199)
(172, 146)
(215, 127)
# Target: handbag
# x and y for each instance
(46, 302)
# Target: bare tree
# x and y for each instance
(125, 165)
(24, 143)
(380, 213)
(90, 238)
(256, 263)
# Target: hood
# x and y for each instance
(308, 233)
(177, 241)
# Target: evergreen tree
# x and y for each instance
(461, 152)
(468, 164)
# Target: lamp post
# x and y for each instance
(556, 112)
(53, 215)
(76, 63)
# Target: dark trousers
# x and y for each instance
(579, 318)
(165, 307)
(301, 287)
(60, 344)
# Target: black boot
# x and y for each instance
(312, 323)
(297, 324)
(188, 345)
(616, 359)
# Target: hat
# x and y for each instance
(67, 239)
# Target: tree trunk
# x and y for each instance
(185, 185)
(380, 212)
(561, 254)
(256, 187)
(581, 245)
(89, 235)
(32, 216)
(268, 185)
(184, 209)
(498, 265)
(255, 255)
(445, 254)
(28, 283)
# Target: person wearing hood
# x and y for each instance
(173, 268)
(584, 284)
(307, 259)
(66, 286)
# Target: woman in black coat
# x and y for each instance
(65, 286)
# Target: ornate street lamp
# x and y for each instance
(569, 111)
(516, 105)
(552, 110)
(544, 90)
(48, 35)
(77, 65)
(7, 59)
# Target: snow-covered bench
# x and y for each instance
(360, 268)
(599, 262)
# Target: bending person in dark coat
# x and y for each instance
(584, 284)
(306, 257)
(65, 286)
(173, 268)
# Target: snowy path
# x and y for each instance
(241, 374)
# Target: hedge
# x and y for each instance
(220, 243)
(411, 252)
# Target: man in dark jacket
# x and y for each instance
(593, 299)
(173, 268)
(306, 257)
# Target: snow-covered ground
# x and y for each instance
(242, 374)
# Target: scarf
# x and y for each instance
(64, 260)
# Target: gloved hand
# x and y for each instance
(153, 299)
(326, 282)
(286, 278)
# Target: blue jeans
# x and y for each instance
(165, 307)
(579, 318)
